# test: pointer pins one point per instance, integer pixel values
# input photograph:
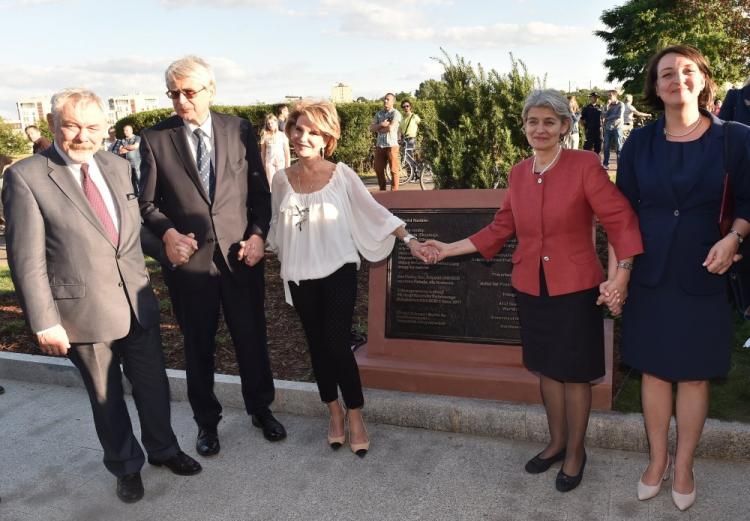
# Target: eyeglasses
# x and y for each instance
(188, 93)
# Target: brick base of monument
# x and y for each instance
(454, 368)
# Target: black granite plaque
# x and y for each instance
(461, 299)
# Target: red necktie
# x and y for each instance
(97, 203)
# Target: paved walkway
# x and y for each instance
(51, 470)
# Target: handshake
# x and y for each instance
(429, 252)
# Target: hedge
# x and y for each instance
(354, 146)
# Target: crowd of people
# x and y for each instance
(212, 197)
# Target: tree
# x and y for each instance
(478, 135)
(12, 143)
(720, 29)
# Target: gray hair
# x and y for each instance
(191, 67)
(550, 99)
(77, 95)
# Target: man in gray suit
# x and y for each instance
(74, 248)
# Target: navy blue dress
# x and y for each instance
(677, 321)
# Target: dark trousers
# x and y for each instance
(593, 142)
(197, 312)
(326, 307)
(141, 355)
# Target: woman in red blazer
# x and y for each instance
(550, 207)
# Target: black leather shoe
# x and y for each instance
(537, 464)
(130, 487)
(565, 483)
(272, 428)
(180, 464)
(207, 443)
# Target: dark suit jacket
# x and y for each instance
(65, 268)
(172, 195)
(684, 225)
(734, 107)
(553, 222)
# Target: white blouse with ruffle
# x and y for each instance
(343, 220)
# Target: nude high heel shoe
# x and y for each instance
(336, 441)
(684, 501)
(648, 491)
(360, 449)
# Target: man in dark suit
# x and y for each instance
(74, 249)
(205, 194)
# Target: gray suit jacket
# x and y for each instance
(65, 268)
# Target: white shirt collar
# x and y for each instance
(205, 126)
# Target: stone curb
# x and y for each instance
(608, 430)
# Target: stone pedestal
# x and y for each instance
(456, 365)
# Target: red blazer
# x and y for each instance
(553, 221)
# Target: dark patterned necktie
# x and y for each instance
(97, 204)
(203, 161)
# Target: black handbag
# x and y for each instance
(738, 275)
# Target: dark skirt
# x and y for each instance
(562, 336)
(673, 335)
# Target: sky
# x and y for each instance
(262, 51)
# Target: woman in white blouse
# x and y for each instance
(323, 219)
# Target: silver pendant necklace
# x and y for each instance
(301, 213)
(549, 165)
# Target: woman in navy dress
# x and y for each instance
(677, 323)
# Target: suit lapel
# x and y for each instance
(182, 147)
(221, 142)
(60, 175)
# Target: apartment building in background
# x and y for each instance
(121, 106)
(341, 93)
(33, 110)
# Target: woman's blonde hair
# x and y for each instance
(269, 117)
(323, 115)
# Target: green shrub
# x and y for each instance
(478, 127)
(356, 140)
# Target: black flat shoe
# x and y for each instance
(565, 483)
(207, 443)
(130, 487)
(271, 427)
(180, 464)
(537, 464)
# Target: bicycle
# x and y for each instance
(413, 168)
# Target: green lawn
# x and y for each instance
(6, 284)
(730, 397)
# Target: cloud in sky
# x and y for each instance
(362, 18)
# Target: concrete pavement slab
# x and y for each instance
(49, 472)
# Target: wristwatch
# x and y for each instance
(408, 238)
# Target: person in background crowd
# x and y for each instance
(323, 219)
(385, 125)
(613, 126)
(75, 256)
(282, 113)
(40, 142)
(4, 161)
(677, 322)
(204, 192)
(111, 143)
(736, 105)
(274, 147)
(591, 117)
(550, 207)
(717, 107)
(629, 115)
(572, 140)
(407, 131)
(129, 149)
